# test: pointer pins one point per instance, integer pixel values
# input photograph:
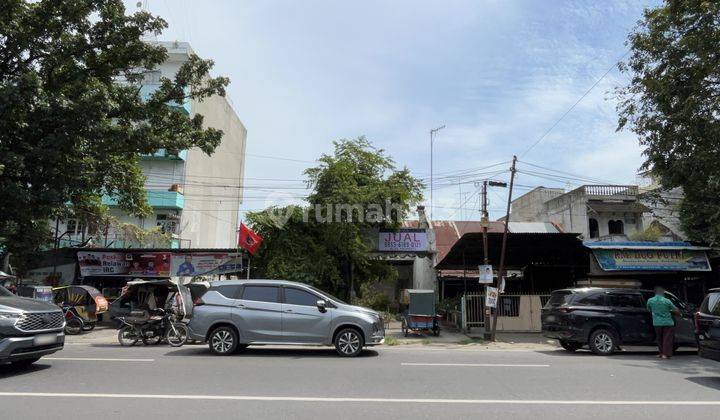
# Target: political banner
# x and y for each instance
(199, 264)
(140, 264)
(486, 274)
(491, 297)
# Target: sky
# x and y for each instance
(497, 74)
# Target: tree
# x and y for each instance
(73, 123)
(672, 103)
(355, 191)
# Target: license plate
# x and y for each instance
(42, 340)
(550, 318)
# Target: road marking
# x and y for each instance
(474, 365)
(353, 400)
(470, 349)
(96, 359)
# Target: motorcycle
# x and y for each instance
(161, 324)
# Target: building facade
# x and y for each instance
(195, 197)
(594, 211)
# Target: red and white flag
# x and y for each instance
(248, 240)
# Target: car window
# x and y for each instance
(230, 291)
(300, 297)
(711, 304)
(674, 299)
(559, 299)
(595, 299)
(625, 300)
(261, 293)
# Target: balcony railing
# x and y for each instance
(611, 190)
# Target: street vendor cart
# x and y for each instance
(419, 312)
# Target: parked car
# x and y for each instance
(233, 314)
(604, 319)
(29, 329)
(707, 324)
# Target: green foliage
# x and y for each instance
(673, 104)
(651, 234)
(310, 244)
(372, 297)
(72, 121)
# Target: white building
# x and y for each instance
(194, 197)
(594, 211)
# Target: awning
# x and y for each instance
(649, 256)
(523, 249)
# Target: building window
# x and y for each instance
(167, 223)
(71, 226)
(594, 228)
(616, 227)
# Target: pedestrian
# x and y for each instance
(662, 310)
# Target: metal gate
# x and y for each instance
(473, 311)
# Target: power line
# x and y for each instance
(597, 180)
(574, 105)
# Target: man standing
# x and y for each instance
(662, 314)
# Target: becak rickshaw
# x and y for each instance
(81, 305)
(419, 312)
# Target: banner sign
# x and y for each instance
(486, 274)
(198, 264)
(491, 297)
(141, 264)
(652, 259)
(404, 240)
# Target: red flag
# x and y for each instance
(248, 240)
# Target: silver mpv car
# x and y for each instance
(232, 314)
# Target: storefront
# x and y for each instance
(535, 263)
(109, 270)
(679, 267)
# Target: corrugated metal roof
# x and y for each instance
(533, 227)
(643, 245)
(448, 232)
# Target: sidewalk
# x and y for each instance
(453, 338)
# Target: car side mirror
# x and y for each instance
(321, 305)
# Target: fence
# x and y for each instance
(518, 313)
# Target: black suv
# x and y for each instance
(603, 319)
(29, 329)
(707, 324)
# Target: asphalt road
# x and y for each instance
(103, 380)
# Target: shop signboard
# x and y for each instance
(198, 264)
(403, 240)
(140, 264)
(652, 259)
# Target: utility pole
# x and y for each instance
(485, 222)
(432, 137)
(501, 270)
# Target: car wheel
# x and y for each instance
(569, 345)
(603, 342)
(24, 363)
(223, 341)
(349, 342)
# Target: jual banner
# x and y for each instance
(198, 264)
(652, 259)
(141, 264)
(404, 240)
